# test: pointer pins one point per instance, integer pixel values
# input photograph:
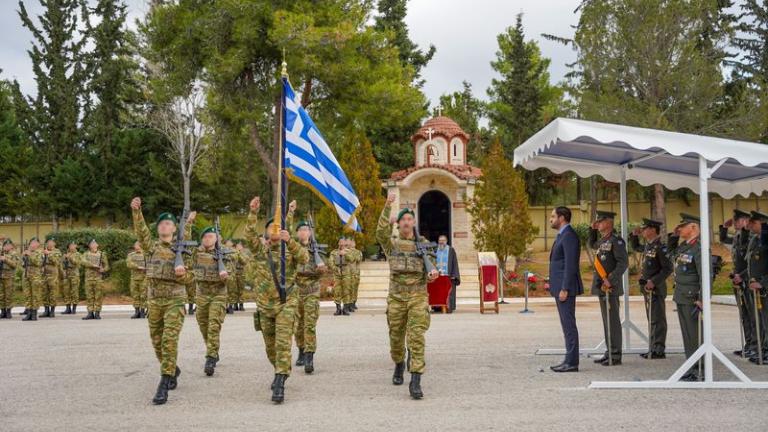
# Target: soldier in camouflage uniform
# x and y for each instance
(236, 284)
(50, 288)
(70, 279)
(166, 292)
(744, 297)
(757, 272)
(274, 318)
(95, 264)
(32, 260)
(341, 263)
(357, 256)
(244, 257)
(137, 264)
(654, 272)
(9, 261)
(211, 295)
(308, 282)
(407, 301)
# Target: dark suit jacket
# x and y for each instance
(564, 273)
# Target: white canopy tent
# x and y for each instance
(676, 160)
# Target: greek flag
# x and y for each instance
(309, 161)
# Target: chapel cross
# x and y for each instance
(430, 131)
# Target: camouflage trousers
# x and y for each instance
(277, 330)
(94, 294)
(355, 287)
(165, 319)
(306, 322)
(235, 288)
(50, 289)
(33, 288)
(139, 292)
(70, 289)
(408, 315)
(211, 310)
(6, 293)
(342, 289)
(191, 290)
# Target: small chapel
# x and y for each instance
(439, 184)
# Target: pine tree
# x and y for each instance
(501, 222)
(15, 158)
(467, 111)
(392, 20)
(752, 40)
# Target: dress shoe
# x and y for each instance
(690, 377)
(654, 355)
(614, 362)
(564, 368)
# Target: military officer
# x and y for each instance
(744, 297)
(356, 257)
(407, 301)
(687, 258)
(308, 282)
(32, 260)
(655, 270)
(211, 295)
(612, 259)
(137, 264)
(274, 318)
(166, 293)
(9, 261)
(70, 279)
(757, 272)
(95, 264)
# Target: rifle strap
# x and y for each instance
(273, 270)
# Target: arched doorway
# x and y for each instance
(434, 215)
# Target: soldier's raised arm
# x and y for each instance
(297, 251)
(594, 236)
(384, 227)
(140, 227)
(634, 242)
(252, 231)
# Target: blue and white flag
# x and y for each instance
(309, 161)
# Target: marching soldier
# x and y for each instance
(744, 297)
(654, 272)
(356, 257)
(9, 261)
(308, 282)
(166, 292)
(32, 260)
(341, 262)
(273, 318)
(757, 272)
(96, 265)
(137, 264)
(70, 279)
(611, 261)
(407, 301)
(211, 295)
(687, 258)
(191, 289)
(51, 263)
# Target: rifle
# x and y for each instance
(218, 251)
(25, 261)
(422, 250)
(181, 245)
(102, 273)
(315, 248)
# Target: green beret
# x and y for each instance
(167, 216)
(206, 230)
(93, 240)
(7, 241)
(403, 212)
(302, 224)
(34, 239)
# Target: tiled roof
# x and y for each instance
(463, 172)
(442, 125)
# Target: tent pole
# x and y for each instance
(624, 235)
(706, 279)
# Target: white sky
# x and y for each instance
(464, 32)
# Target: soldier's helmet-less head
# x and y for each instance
(166, 225)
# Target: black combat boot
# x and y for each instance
(136, 313)
(161, 396)
(31, 316)
(52, 313)
(174, 380)
(345, 310)
(74, 309)
(300, 360)
(142, 313)
(46, 313)
(397, 377)
(67, 311)
(338, 310)
(8, 314)
(354, 306)
(3, 314)
(278, 392)
(26, 312)
(415, 387)
(230, 310)
(191, 310)
(242, 307)
(97, 315)
(88, 316)
(210, 365)
(309, 362)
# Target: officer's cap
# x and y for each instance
(403, 212)
(686, 218)
(759, 216)
(167, 216)
(650, 223)
(738, 214)
(603, 215)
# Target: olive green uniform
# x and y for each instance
(355, 259)
(757, 257)
(341, 264)
(137, 264)
(687, 259)
(236, 284)
(407, 301)
(50, 280)
(308, 284)
(611, 251)
(273, 318)
(211, 297)
(95, 265)
(7, 273)
(744, 296)
(70, 279)
(33, 279)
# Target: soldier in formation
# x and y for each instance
(343, 262)
(355, 268)
(757, 280)
(32, 278)
(9, 261)
(137, 264)
(236, 284)
(50, 278)
(70, 279)
(308, 283)
(96, 265)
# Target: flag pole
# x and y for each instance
(282, 182)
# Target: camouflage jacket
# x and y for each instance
(34, 264)
(92, 262)
(12, 261)
(206, 271)
(70, 265)
(259, 272)
(341, 264)
(52, 263)
(137, 264)
(308, 276)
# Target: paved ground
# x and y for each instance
(69, 374)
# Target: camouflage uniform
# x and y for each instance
(33, 280)
(211, 296)
(236, 283)
(407, 301)
(7, 273)
(94, 282)
(70, 279)
(137, 264)
(342, 276)
(166, 293)
(308, 283)
(275, 319)
(50, 285)
(355, 259)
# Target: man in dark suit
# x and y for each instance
(565, 283)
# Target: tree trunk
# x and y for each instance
(187, 203)
(658, 206)
(55, 223)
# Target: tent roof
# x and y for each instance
(651, 156)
